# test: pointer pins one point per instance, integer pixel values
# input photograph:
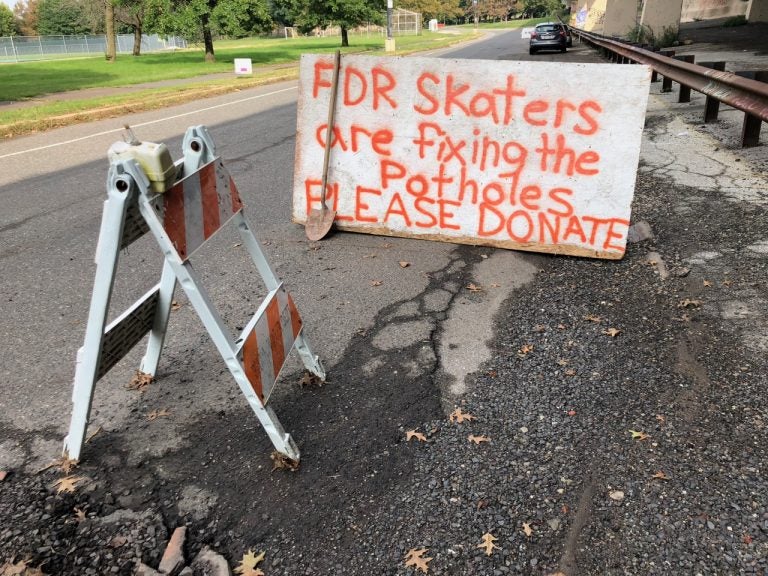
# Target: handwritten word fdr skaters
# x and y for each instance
(436, 147)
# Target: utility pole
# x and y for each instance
(389, 43)
(474, 7)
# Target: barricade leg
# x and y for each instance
(311, 361)
(281, 440)
(107, 254)
(157, 334)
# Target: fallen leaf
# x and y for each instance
(616, 495)
(494, 285)
(386, 245)
(459, 416)
(370, 255)
(570, 372)
(612, 332)
(707, 284)
(93, 434)
(561, 326)
(527, 529)
(140, 381)
(79, 515)
(376, 282)
(747, 539)
(660, 475)
(488, 543)
(413, 434)
(571, 412)
(491, 373)
(404, 264)
(593, 318)
(248, 564)
(64, 463)
(564, 509)
(727, 282)
(638, 435)
(155, 414)
(309, 379)
(474, 288)
(415, 558)
(16, 569)
(482, 504)
(662, 419)
(525, 350)
(478, 439)
(562, 362)
(237, 245)
(175, 305)
(67, 484)
(283, 462)
(539, 328)
(688, 303)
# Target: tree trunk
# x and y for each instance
(344, 37)
(137, 40)
(109, 25)
(207, 38)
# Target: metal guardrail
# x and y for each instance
(745, 94)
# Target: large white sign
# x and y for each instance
(528, 155)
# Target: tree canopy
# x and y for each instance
(60, 17)
(7, 21)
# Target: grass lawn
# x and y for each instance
(29, 79)
(273, 60)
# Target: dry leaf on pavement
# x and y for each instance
(612, 332)
(283, 462)
(459, 416)
(688, 303)
(175, 306)
(376, 282)
(527, 529)
(413, 434)
(248, 564)
(479, 439)
(638, 435)
(488, 543)
(404, 264)
(474, 287)
(525, 350)
(660, 475)
(140, 381)
(593, 318)
(67, 484)
(155, 414)
(415, 558)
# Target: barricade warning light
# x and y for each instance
(182, 211)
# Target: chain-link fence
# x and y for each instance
(25, 48)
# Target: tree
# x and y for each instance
(7, 21)
(60, 17)
(200, 19)
(109, 28)
(131, 13)
(343, 13)
(429, 9)
(537, 8)
(26, 16)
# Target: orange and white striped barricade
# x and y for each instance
(182, 219)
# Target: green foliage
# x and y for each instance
(344, 13)
(440, 9)
(241, 18)
(60, 17)
(7, 21)
(541, 8)
(740, 20)
(644, 34)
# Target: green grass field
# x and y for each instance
(30, 79)
(273, 60)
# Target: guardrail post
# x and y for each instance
(685, 91)
(712, 105)
(750, 131)
(666, 83)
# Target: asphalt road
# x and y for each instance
(51, 193)
(561, 483)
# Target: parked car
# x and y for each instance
(548, 36)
